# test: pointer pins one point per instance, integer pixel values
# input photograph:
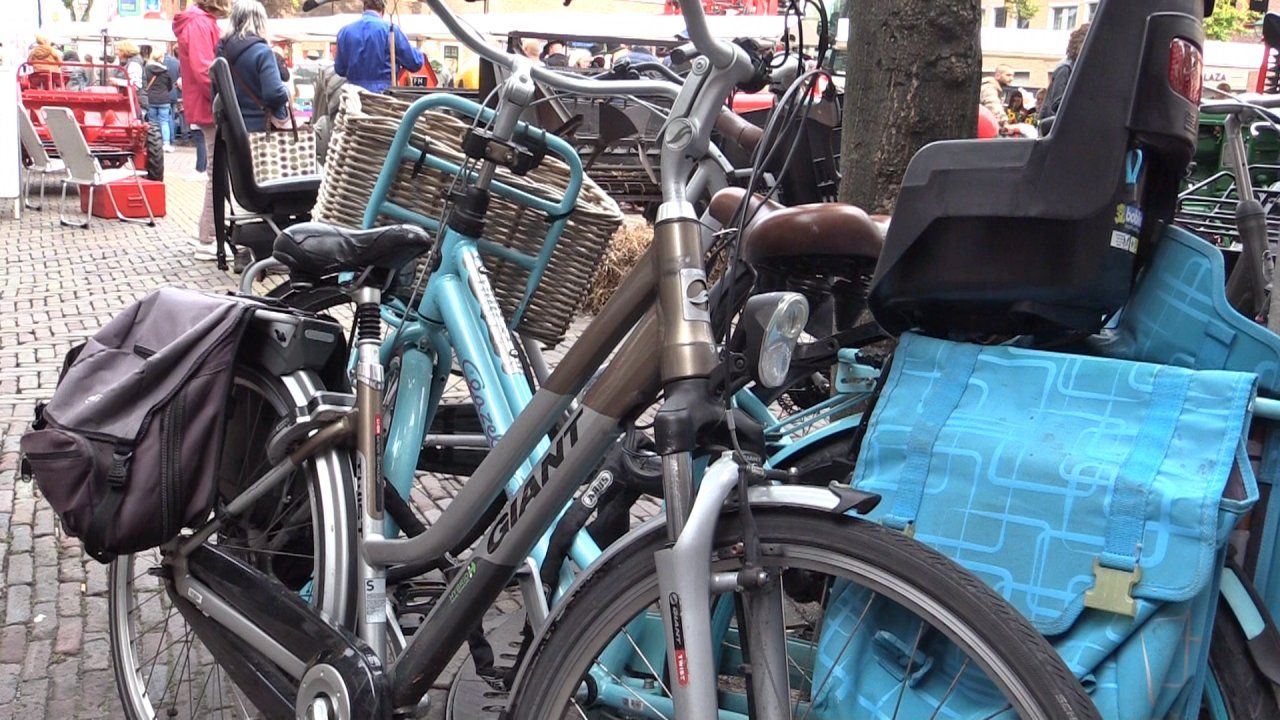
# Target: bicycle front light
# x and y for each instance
(773, 323)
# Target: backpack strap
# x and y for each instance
(95, 537)
(1116, 570)
(940, 402)
(266, 111)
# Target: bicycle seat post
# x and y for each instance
(368, 380)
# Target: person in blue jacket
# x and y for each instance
(259, 90)
(364, 56)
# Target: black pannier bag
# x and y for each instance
(1020, 236)
(126, 451)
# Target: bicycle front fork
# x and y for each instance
(685, 576)
(688, 582)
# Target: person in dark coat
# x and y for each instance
(77, 78)
(1061, 77)
(260, 92)
(553, 54)
(175, 96)
(157, 85)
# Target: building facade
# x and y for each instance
(1033, 46)
(1049, 15)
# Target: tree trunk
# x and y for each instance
(913, 75)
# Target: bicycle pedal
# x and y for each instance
(413, 601)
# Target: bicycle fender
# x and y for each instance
(1255, 622)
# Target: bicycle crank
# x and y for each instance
(284, 656)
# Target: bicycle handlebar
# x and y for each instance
(659, 68)
(738, 129)
(569, 83)
(1270, 102)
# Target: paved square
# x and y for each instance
(61, 284)
(57, 286)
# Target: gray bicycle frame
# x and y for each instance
(656, 306)
(680, 326)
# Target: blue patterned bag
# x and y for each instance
(1060, 480)
(1179, 315)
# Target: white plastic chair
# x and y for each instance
(41, 164)
(84, 169)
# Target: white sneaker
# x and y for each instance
(168, 148)
(203, 251)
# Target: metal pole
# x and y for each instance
(391, 41)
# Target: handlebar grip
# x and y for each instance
(682, 54)
(738, 129)
(660, 69)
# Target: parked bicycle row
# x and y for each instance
(1005, 454)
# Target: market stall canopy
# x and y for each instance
(130, 28)
(629, 29)
(1015, 42)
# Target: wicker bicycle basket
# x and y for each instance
(362, 137)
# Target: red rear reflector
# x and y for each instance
(1186, 69)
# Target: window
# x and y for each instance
(1024, 23)
(1000, 17)
(1064, 18)
(1093, 11)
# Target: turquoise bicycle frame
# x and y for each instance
(458, 315)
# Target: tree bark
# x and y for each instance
(913, 74)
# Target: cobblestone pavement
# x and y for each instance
(57, 286)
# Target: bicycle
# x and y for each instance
(1243, 676)
(283, 654)
(821, 279)
(1226, 207)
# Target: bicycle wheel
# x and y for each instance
(161, 667)
(964, 653)
(1235, 689)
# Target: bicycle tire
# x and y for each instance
(608, 597)
(1244, 693)
(138, 693)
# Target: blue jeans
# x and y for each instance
(159, 115)
(202, 156)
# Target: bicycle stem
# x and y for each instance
(516, 94)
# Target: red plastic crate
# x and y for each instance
(127, 198)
